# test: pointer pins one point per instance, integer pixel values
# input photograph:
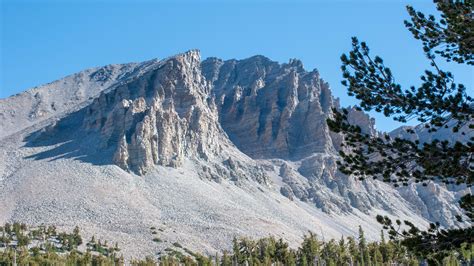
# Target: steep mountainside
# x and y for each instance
(204, 149)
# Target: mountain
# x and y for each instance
(204, 150)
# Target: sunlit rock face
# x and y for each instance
(159, 118)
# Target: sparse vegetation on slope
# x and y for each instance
(45, 246)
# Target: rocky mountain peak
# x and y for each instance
(237, 120)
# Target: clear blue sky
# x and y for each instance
(42, 41)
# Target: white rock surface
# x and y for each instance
(204, 150)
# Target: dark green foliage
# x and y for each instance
(435, 244)
(439, 102)
(265, 251)
(451, 37)
(370, 81)
(347, 251)
(76, 237)
(51, 248)
(467, 204)
(226, 259)
(364, 256)
(399, 160)
(311, 248)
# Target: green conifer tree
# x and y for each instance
(311, 247)
(363, 259)
(226, 259)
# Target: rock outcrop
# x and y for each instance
(271, 110)
(159, 118)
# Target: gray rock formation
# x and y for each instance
(422, 134)
(271, 110)
(158, 118)
(242, 145)
(181, 108)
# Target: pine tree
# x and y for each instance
(226, 259)
(378, 258)
(281, 251)
(330, 251)
(363, 257)
(303, 261)
(266, 249)
(291, 259)
(344, 258)
(310, 247)
(7, 228)
(236, 249)
(77, 236)
(438, 102)
(353, 249)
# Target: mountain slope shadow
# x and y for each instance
(66, 139)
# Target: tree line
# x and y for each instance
(45, 246)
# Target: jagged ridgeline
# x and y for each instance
(210, 147)
(181, 108)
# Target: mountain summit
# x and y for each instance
(204, 150)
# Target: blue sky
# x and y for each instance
(42, 41)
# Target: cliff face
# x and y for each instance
(270, 110)
(158, 118)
